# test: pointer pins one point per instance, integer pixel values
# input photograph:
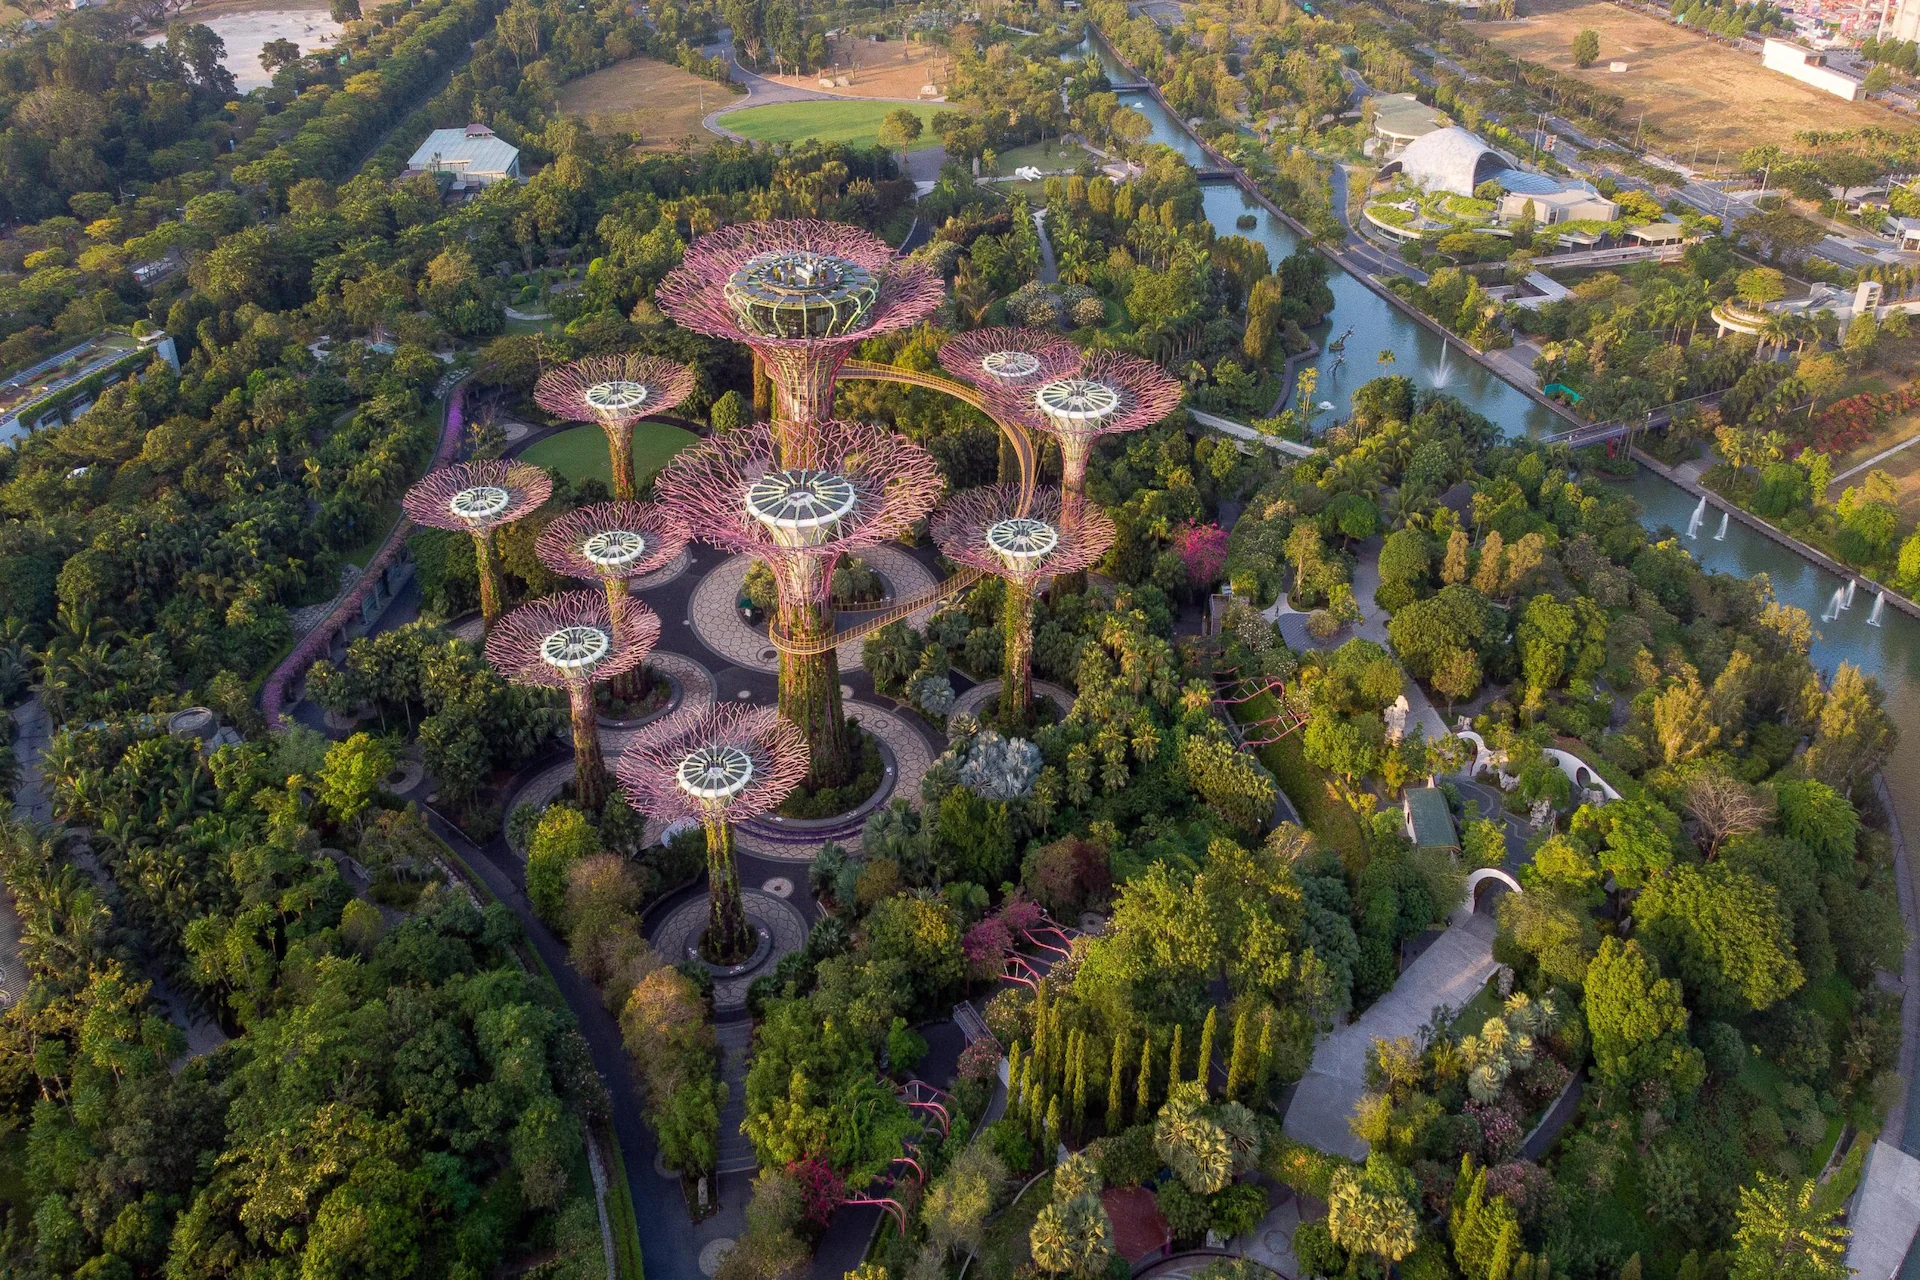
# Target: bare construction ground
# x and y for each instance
(656, 100)
(886, 69)
(1690, 87)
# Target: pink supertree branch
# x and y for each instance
(611, 541)
(1105, 393)
(772, 747)
(477, 497)
(1079, 532)
(893, 482)
(694, 294)
(613, 389)
(1007, 357)
(571, 640)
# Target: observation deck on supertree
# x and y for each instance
(846, 486)
(801, 293)
(611, 543)
(729, 763)
(1102, 393)
(1057, 534)
(477, 498)
(614, 391)
(570, 641)
(1008, 358)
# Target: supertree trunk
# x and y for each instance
(489, 584)
(810, 695)
(762, 389)
(1016, 689)
(589, 768)
(727, 939)
(1073, 484)
(631, 685)
(620, 456)
(802, 395)
(1009, 462)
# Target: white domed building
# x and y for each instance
(1449, 159)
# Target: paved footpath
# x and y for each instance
(1449, 972)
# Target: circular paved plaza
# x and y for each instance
(781, 922)
(716, 613)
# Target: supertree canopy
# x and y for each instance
(730, 762)
(1103, 393)
(478, 498)
(848, 485)
(802, 294)
(1007, 357)
(570, 641)
(611, 543)
(1056, 534)
(615, 391)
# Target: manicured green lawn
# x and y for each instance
(855, 120)
(1043, 155)
(580, 453)
(1325, 814)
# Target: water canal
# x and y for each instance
(1887, 648)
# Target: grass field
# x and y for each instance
(851, 120)
(1682, 80)
(1047, 156)
(580, 453)
(656, 100)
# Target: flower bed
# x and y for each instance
(1849, 423)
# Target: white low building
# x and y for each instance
(1808, 67)
(1575, 204)
(473, 155)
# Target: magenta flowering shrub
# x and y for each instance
(984, 945)
(1500, 1134)
(980, 1060)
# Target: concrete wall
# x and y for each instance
(1806, 66)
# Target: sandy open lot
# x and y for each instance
(890, 69)
(248, 28)
(656, 100)
(1689, 86)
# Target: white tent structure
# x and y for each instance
(1449, 159)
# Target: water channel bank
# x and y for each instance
(1386, 339)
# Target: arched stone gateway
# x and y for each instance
(1480, 877)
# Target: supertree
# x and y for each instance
(1102, 393)
(1007, 357)
(1055, 534)
(615, 391)
(728, 763)
(478, 498)
(611, 543)
(801, 293)
(569, 641)
(848, 485)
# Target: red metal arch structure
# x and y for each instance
(932, 1104)
(1232, 689)
(1047, 935)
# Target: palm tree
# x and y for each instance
(1191, 1143)
(1074, 1238)
(1776, 332)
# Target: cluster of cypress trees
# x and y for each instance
(1047, 1083)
